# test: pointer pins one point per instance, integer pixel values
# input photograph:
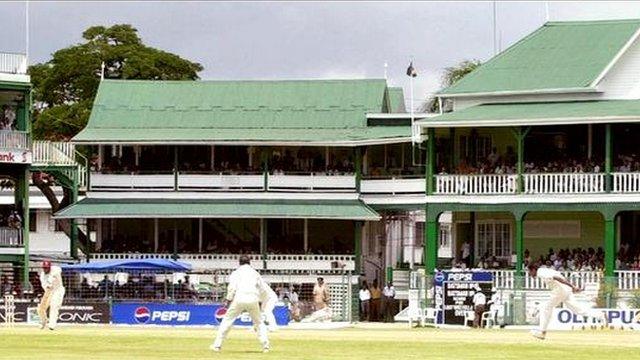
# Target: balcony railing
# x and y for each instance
(230, 261)
(54, 153)
(569, 183)
(628, 280)
(15, 140)
(10, 237)
(415, 185)
(221, 182)
(13, 63)
(481, 184)
(626, 182)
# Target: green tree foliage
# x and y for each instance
(450, 76)
(65, 86)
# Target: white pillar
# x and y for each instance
(250, 153)
(306, 235)
(200, 235)
(100, 157)
(589, 141)
(136, 152)
(326, 158)
(99, 234)
(365, 162)
(385, 156)
(213, 156)
(412, 240)
(156, 234)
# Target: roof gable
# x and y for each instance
(559, 55)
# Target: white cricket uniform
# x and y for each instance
(560, 293)
(269, 299)
(53, 296)
(245, 286)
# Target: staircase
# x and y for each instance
(60, 158)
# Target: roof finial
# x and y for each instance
(102, 71)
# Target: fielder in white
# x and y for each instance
(243, 295)
(51, 281)
(268, 300)
(561, 292)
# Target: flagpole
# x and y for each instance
(26, 38)
(411, 103)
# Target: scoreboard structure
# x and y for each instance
(453, 293)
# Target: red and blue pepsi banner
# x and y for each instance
(181, 314)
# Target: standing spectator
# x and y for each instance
(5, 286)
(320, 295)
(389, 293)
(15, 222)
(376, 299)
(365, 297)
(466, 253)
(479, 302)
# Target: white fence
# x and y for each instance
(626, 182)
(312, 182)
(393, 186)
(10, 237)
(13, 63)
(230, 261)
(132, 181)
(220, 182)
(10, 139)
(481, 184)
(627, 280)
(569, 183)
(54, 153)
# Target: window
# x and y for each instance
(493, 238)
(444, 236)
(481, 149)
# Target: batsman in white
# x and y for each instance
(51, 281)
(268, 300)
(243, 295)
(561, 292)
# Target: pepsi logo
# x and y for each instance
(220, 313)
(142, 315)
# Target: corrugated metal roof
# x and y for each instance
(396, 99)
(233, 110)
(558, 55)
(90, 208)
(535, 113)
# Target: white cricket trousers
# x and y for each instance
(51, 300)
(267, 310)
(558, 296)
(235, 309)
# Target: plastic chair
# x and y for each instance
(469, 316)
(430, 315)
(415, 313)
(488, 317)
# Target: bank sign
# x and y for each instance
(624, 319)
(15, 156)
(181, 314)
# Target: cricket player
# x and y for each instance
(268, 299)
(561, 292)
(51, 281)
(243, 295)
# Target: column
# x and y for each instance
(156, 234)
(326, 158)
(589, 141)
(263, 242)
(22, 199)
(519, 242)
(200, 235)
(100, 157)
(98, 234)
(74, 223)
(213, 157)
(431, 159)
(520, 160)
(358, 246)
(431, 245)
(306, 235)
(358, 167)
(609, 245)
(136, 152)
(175, 239)
(608, 156)
(175, 168)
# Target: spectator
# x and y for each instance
(365, 298)
(389, 293)
(320, 295)
(376, 298)
(479, 302)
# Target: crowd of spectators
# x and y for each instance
(7, 118)
(578, 259)
(628, 258)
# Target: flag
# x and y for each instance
(411, 71)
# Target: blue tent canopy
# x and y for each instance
(130, 265)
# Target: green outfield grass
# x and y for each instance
(354, 343)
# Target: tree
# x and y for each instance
(451, 75)
(65, 86)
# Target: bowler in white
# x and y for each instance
(561, 292)
(243, 295)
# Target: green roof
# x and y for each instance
(97, 208)
(237, 111)
(540, 113)
(396, 99)
(559, 55)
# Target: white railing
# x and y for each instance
(220, 182)
(132, 181)
(506, 279)
(311, 262)
(309, 182)
(569, 183)
(626, 182)
(10, 237)
(13, 63)
(10, 139)
(54, 153)
(393, 186)
(628, 279)
(481, 184)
